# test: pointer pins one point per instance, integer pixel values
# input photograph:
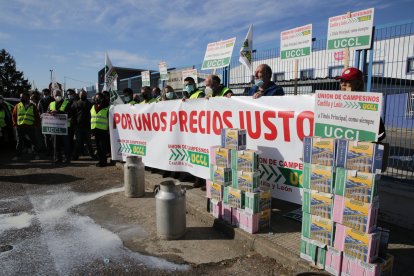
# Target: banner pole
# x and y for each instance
(295, 91)
(346, 51)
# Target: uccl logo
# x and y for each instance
(362, 147)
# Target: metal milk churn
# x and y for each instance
(170, 210)
(134, 177)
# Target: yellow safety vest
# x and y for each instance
(195, 94)
(2, 118)
(223, 91)
(145, 102)
(99, 120)
(52, 107)
(132, 102)
(25, 116)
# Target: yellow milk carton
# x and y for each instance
(221, 156)
(246, 181)
(233, 138)
(318, 177)
(317, 150)
(245, 160)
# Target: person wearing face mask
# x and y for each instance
(100, 127)
(190, 89)
(128, 96)
(215, 89)
(146, 95)
(263, 85)
(156, 95)
(63, 142)
(25, 118)
(168, 94)
(83, 126)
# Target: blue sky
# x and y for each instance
(71, 37)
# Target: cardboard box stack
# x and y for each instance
(233, 189)
(340, 207)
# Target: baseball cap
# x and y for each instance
(349, 74)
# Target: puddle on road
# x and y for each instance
(14, 221)
(73, 240)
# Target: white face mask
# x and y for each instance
(58, 98)
(208, 91)
(169, 95)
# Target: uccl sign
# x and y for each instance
(296, 43)
(218, 54)
(354, 31)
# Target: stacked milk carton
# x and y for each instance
(341, 207)
(233, 188)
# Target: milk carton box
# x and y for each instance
(249, 222)
(310, 251)
(245, 160)
(257, 201)
(220, 156)
(359, 156)
(220, 175)
(216, 208)
(233, 138)
(246, 181)
(235, 216)
(333, 262)
(265, 219)
(216, 191)
(317, 150)
(355, 214)
(357, 185)
(381, 267)
(357, 244)
(318, 177)
(226, 213)
(233, 197)
(317, 228)
(317, 203)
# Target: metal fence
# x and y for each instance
(388, 68)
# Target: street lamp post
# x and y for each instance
(51, 75)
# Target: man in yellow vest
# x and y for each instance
(146, 95)
(129, 96)
(190, 89)
(63, 142)
(156, 95)
(215, 89)
(25, 119)
(100, 127)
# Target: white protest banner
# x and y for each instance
(146, 79)
(350, 115)
(56, 124)
(163, 70)
(218, 54)
(190, 73)
(178, 136)
(354, 31)
(296, 43)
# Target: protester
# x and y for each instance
(83, 126)
(214, 88)
(100, 127)
(352, 80)
(146, 95)
(156, 95)
(190, 89)
(128, 96)
(263, 84)
(35, 99)
(168, 94)
(106, 94)
(25, 118)
(63, 142)
(137, 98)
(6, 125)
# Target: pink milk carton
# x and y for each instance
(357, 244)
(352, 266)
(249, 222)
(355, 214)
(333, 261)
(208, 187)
(226, 213)
(235, 216)
(216, 208)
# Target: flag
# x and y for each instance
(246, 49)
(110, 78)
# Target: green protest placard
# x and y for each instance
(352, 30)
(56, 124)
(146, 79)
(218, 54)
(163, 71)
(296, 43)
(350, 115)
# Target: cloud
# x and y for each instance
(4, 36)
